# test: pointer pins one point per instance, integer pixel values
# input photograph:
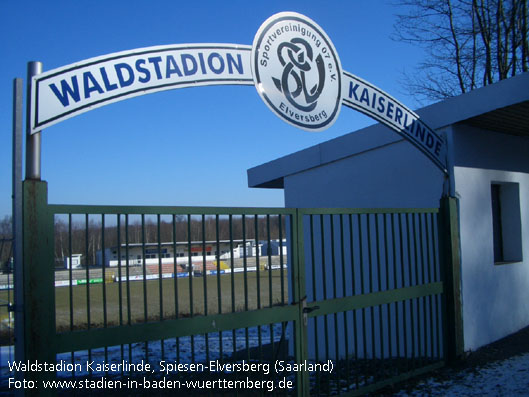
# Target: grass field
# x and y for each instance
(273, 289)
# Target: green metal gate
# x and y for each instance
(339, 302)
(374, 296)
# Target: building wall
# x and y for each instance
(494, 296)
(396, 175)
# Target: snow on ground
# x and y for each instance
(501, 378)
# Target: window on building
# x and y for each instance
(506, 222)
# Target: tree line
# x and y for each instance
(86, 238)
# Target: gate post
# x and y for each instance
(451, 275)
(38, 283)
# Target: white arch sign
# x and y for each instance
(292, 63)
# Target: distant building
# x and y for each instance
(274, 247)
(167, 251)
(75, 261)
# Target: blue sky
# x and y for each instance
(182, 147)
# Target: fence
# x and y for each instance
(375, 296)
(356, 302)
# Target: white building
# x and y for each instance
(487, 131)
(75, 261)
(166, 252)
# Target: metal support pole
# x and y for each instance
(33, 141)
(17, 223)
(451, 260)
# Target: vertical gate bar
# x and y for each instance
(127, 285)
(190, 270)
(204, 270)
(120, 292)
(127, 269)
(120, 296)
(270, 292)
(334, 286)
(388, 306)
(257, 260)
(245, 263)
(429, 260)
(219, 292)
(396, 305)
(353, 292)
(442, 276)
(103, 269)
(232, 263)
(281, 259)
(87, 271)
(189, 265)
(175, 286)
(105, 314)
(412, 315)
(232, 277)
(232, 280)
(204, 279)
(144, 281)
(379, 286)
(415, 302)
(314, 298)
(70, 284)
(362, 287)
(70, 274)
(424, 298)
(403, 278)
(245, 278)
(160, 277)
(371, 285)
(344, 294)
(269, 254)
(160, 272)
(87, 251)
(175, 264)
(144, 268)
(258, 279)
(324, 280)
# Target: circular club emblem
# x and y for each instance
(297, 71)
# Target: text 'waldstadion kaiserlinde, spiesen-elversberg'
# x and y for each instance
(144, 375)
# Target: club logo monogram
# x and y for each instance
(300, 62)
(297, 72)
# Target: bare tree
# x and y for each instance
(468, 43)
